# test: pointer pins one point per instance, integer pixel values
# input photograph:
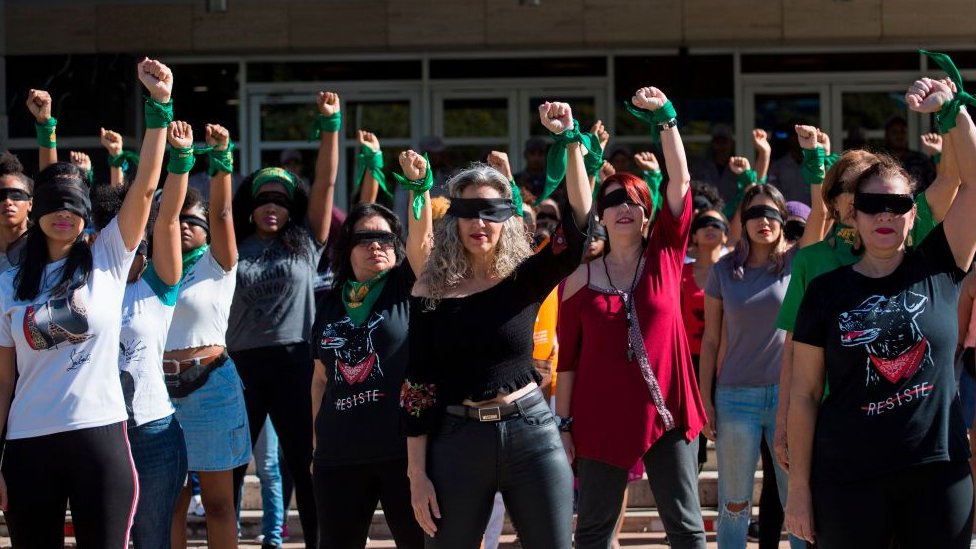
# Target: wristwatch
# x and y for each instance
(565, 424)
(668, 124)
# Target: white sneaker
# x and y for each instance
(972, 542)
(196, 506)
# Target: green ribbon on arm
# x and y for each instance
(123, 160)
(47, 136)
(371, 161)
(181, 160)
(594, 160)
(937, 158)
(517, 199)
(653, 118)
(157, 115)
(812, 167)
(829, 161)
(557, 157)
(323, 123)
(219, 161)
(418, 187)
(742, 182)
(654, 179)
(946, 117)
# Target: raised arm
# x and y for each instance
(760, 141)
(558, 118)
(369, 188)
(813, 172)
(679, 178)
(927, 95)
(943, 189)
(112, 141)
(158, 80)
(322, 192)
(603, 137)
(223, 242)
(167, 254)
(39, 105)
(420, 232)
(84, 163)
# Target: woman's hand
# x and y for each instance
(82, 160)
(647, 162)
(739, 164)
(39, 105)
(157, 78)
(424, 502)
(217, 137)
(328, 103)
(179, 134)
(932, 143)
(556, 117)
(413, 165)
(709, 429)
(807, 136)
(780, 448)
(499, 161)
(606, 170)
(568, 445)
(112, 141)
(369, 139)
(601, 133)
(760, 141)
(799, 513)
(927, 95)
(649, 98)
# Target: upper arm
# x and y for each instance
(809, 371)
(575, 282)
(223, 243)
(713, 321)
(420, 236)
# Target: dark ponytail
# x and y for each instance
(75, 272)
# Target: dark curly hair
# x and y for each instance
(293, 235)
(106, 202)
(341, 262)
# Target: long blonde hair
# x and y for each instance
(448, 264)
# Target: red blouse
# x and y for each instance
(616, 416)
(692, 308)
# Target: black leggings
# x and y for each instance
(91, 468)
(277, 382)
(922, 507)
(347, 497)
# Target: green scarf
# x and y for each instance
(812, 168)
(653, 118)
(419, 188)
(123, 160)
(742, 182)
(359, 297)
(557, 157)
(946, 117)
(190, 259)
(371, 161)
(654, 180)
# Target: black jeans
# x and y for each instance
(277, 382)
(672, 472)
(922, 507)
(770, 509)
(347, 495)
(522, 457)
(91, 468)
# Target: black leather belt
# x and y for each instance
(497, 413)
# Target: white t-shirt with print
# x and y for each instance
(146, 316)
(200, 318)
(67, 345)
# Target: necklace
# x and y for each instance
(628, 302)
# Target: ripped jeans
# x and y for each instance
(745, 416)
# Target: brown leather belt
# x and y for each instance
(496, 413)
(176, 367)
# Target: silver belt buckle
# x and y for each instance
(489, 414)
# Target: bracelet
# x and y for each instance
(667, 124)
(564, 424)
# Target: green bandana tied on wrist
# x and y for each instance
(594, 160)
(937, 159)
(359, 297)
(654, 118)
(181, 160)
(419, 188)
(323, 123)
(272, 175)
(517, 199)
(829, 161)
(47, 133)
(654, 180)
(946, 117)
(812, 167)
(371, 161)
(219, 161)
(123, 160)
(158, 115)
(557, 157)
(742, 182)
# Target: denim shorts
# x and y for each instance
(214, 422)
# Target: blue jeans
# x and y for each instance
(160, 458)
(745, 416)
(266, 459)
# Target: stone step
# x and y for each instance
(639, 491)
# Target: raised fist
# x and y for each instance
(499, 161)
(328, 103)
(556, 117)
(823, 140)
(112, 141)
(646, 161)
(738, 164)
(932, 143)
(601, 134)
(651, 99)
(369, 139)
(217, 137)
(413, 165)
(760, 140)
(39, 103)
(606, 170)
(179, 134)
(807, 135)
(927, 95)
(81, 160)
(157, 78)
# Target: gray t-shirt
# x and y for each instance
(274, 303)
(754, 346)
(11, 258)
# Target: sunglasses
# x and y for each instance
(875, 203)
(366, 238)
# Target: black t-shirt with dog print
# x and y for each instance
(888, 350)
(359, 419)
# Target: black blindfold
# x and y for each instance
(14, 194)
(497, 210)
(699, 202)
(616, 198)
(54, 197)
(759, 212)
(384, 238)
(197, 221)
(875, 203)
(710, 221)
(277, 199)
(793, 229)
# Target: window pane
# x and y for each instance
(476, 117)
(286, 121)
(387, 119)
(865, 115)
